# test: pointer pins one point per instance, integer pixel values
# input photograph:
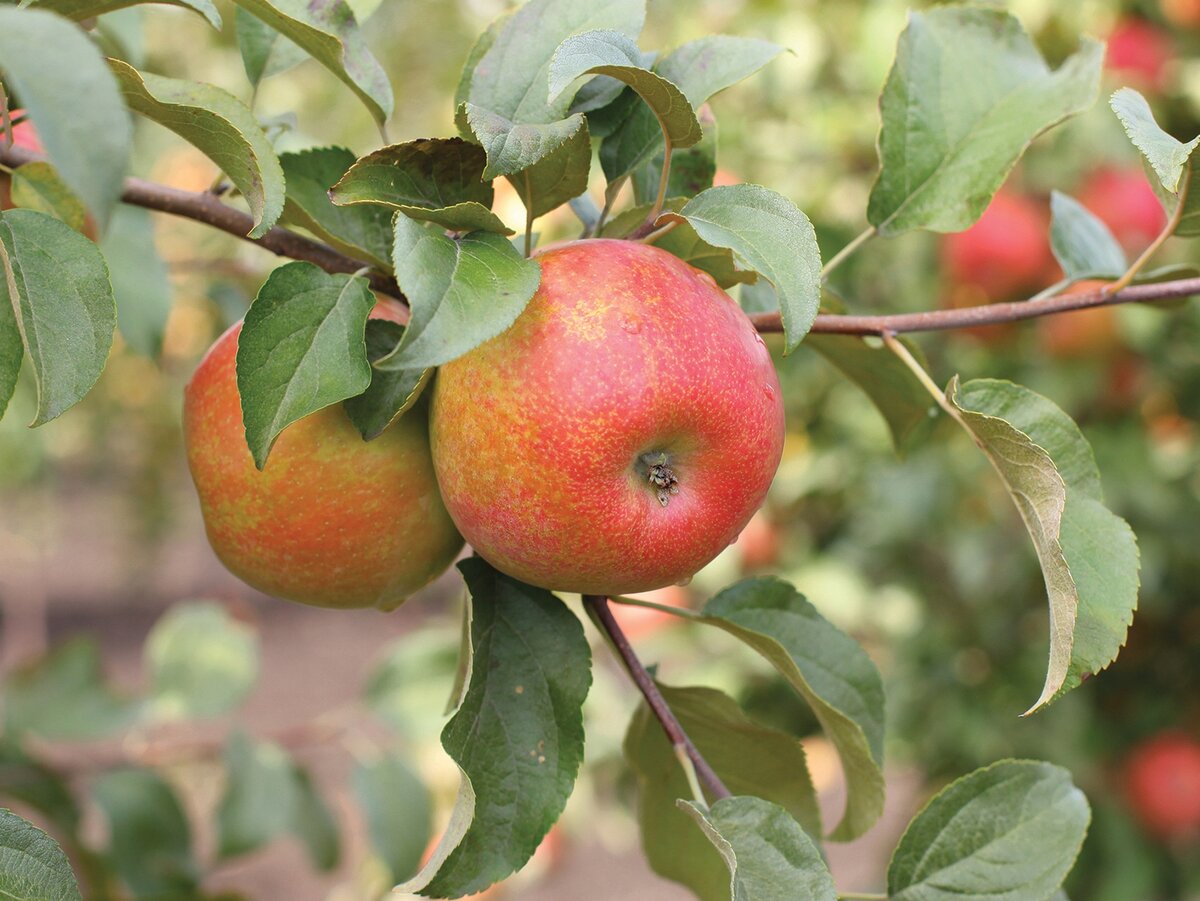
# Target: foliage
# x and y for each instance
(551, 92)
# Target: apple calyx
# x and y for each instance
(658, 472)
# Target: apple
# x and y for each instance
(25, 136)
(1006, 253)
(1080, 334)
(1124, 201)
(331, 520)
(1162, 783)
(619, 435)
(1184, 13)
(1140, 53)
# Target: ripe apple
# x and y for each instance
(1140, 53)
(1005, 253)
(1124, 201)
(1162, 782)
(619, 435)
(1080, 334)
(1184, 13)
(331, 520)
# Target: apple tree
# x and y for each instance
(596, 417)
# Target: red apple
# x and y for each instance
(1124, 201)
(331, 520)
(1140, 53)
(1184, 13)
(24, 136)
(619, 435)
(1006, 253)
(1162, 782)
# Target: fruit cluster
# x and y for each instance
(613, 440)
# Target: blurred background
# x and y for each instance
(923, 558)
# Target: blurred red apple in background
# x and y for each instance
(1140, 53)
(1082, 334)
(1162, 783)
(1124, 201)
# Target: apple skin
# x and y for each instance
(332, 520)
(1006, 252)
(545, 438)
(1124, 201)
(1184, 13)
(1140, 53)
(1162, 783)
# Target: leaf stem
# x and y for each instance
(662, 181)
(658, 232)
(844, 254)
(905, 355)
(1168, 230)
(689, 770)
(598, 609)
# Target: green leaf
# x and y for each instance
(201, 661)
(517, 735)
(519, 57)
(770, 236)
(302, 348)
(1006, 832)
(615, 55)
(392, 392)
(73, 100)
(329, 34)
(899, 395)
(79, 10)
(54, 289)
(32, 865)
(63, 697)
(265, 52)
(1088, 555)
(462, 292)
(259, 801)
(557, 177)
(700, 69)
(149, 837)
(948, 142)
(751, 759)
(362, 232)
(37, 186)
(220, 126)
(510, 111)
(140, 281)
(1167, 156)
(1082, 244)
(399, 812)
(436, 180)
(1189, 221)
(314, 825)
(828, 669)
(768, 855)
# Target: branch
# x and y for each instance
(597, 605)
(208, 209)
(988, 314)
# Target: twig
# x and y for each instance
(597, 605)
(1168, 230)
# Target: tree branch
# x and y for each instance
(208, 209)
(597, 605)
(988, 314)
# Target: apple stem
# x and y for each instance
(598, 609)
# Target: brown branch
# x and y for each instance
(988, 314)
(597, 605)
(208, 209)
